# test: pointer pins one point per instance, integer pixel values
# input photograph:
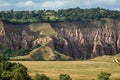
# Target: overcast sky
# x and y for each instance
(57, 4)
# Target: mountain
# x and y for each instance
(61, 40)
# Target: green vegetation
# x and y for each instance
(44, 29)
(7, 53)
(3, 57)
(64, 77)
(104, 76)
(41, 77)
(43, 53)
(13, 71)
(62, 15)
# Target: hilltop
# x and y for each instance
(61, 15)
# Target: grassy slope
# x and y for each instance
(78, 70)
(39, 53)
(45, 28)
(42, 53)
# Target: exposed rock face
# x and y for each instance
(76, 39)
(89, 39)
(14, 36)
(43, 40)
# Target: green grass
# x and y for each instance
(78, 70)
(43, 28)
(42, 53)
(45, 52)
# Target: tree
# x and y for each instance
(3, 57)
(68, 15)
(13, 71)
(64, 77)
(41, 77)
(104, 76)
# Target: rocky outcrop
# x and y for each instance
(88, 39)
(14, 36)
(80, 40)
(42, 40)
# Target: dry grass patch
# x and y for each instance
(78, 70)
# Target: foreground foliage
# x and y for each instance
(41, 77)
(13, 71)
(104, 76)
(64, 77)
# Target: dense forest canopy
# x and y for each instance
(61, 15)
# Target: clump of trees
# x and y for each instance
(61, 15)
(6, 52)
(44, 77)
(41, 77)
(13, 71)
(64, 77)
(104, 76)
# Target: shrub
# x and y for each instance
(64, 77)
(41, 77)
(104, 76)
(13, 71)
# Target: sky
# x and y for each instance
(57, 4)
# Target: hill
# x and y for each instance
(43, 53)
(79, 40)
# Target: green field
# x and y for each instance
(78, 70)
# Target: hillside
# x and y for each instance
(43, 53)
(79, 40)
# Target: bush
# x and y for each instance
(41, 77)
(13, 71)
(64, 77)
(104, 76)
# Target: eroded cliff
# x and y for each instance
(79, 40)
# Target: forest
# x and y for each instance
(61, 15)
